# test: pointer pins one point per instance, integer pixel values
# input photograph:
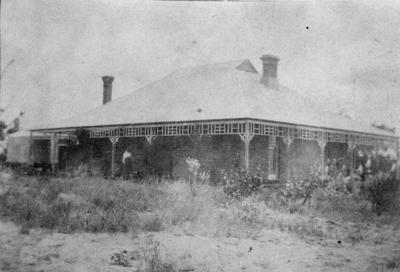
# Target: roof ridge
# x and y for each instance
(207, 65)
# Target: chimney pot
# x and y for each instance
(107, 88)
(270, 71)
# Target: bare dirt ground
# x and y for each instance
(270, 250)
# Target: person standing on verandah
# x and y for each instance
(126, 164)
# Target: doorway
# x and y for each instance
(62, 157)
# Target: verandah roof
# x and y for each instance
(222, 91)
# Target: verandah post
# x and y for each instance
(247, 154)
(246, 138)
(114, 141)
(288, 140)
(247, 146)
(288, 162)
(271, 156)
(53, 143)
(322, 144)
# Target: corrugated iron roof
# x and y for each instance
(230, 90)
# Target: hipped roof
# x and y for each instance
(230, 90)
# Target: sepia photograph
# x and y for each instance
(204, 136)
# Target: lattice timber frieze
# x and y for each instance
(318, 134)
(285, 131)
(211, 128)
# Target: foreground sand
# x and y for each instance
(271, 250)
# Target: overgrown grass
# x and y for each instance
(152, 257)
(99, 205)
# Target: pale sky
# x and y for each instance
(343, 54)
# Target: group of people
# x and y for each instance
(372, 163)
(365, 164)
(336, 167)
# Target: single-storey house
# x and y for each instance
(226, 115)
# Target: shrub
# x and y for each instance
(152, 223)
(106, 194)
(119, 219)
(305, 186)
(151, 254)
(340, 206)
(55, 215)
(275, 197)
(89, 219)
(239, 183)
(382, 191)
(34, 208)
(94, 219)
(180, 205)
(25, 209)
(247, 211)
(120, 258)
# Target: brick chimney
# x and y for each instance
(107, 88)
(270, 71)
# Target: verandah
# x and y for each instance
(246, 129)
